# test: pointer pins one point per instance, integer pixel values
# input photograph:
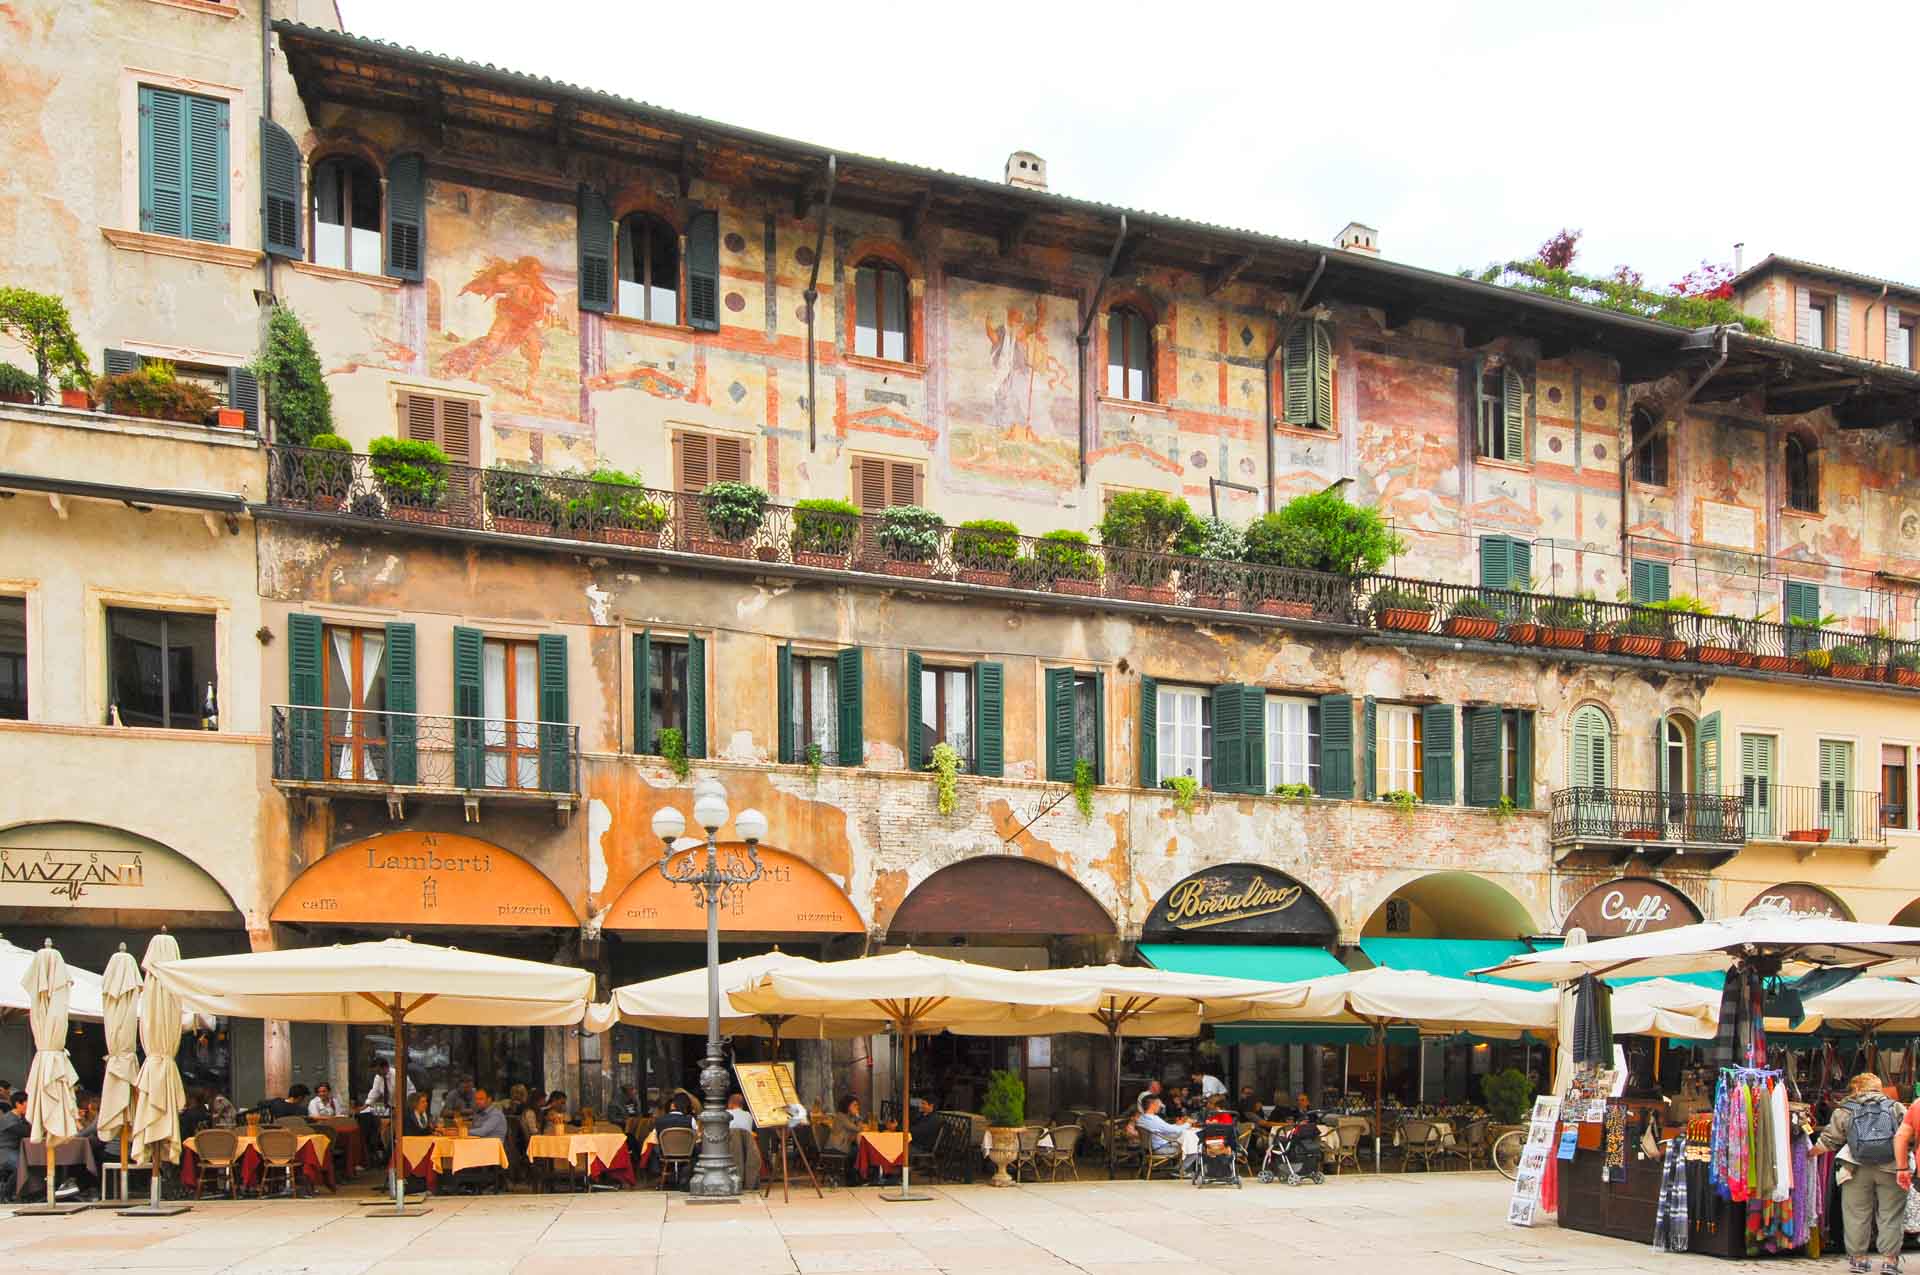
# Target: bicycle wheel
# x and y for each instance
(1506, 1151)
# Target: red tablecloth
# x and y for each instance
(881, 1151)
(621, 1170)
(314, 1169)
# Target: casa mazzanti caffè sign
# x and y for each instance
(1631, 905)
(1239, 900)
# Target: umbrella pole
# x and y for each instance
(904, 1027)
(1379, 1092)
(124, 1162)
(396, 1163)
(1113, 1035)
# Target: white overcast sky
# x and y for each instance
(1465, 132)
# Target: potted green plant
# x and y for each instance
(1642, 633)
(299, 404)
(613, 506)
(1903, 666)
(1471, 617)
(985, 550)
(1721, 642)
(1672, 645)
(1214, 575)
(1801, 637)
(734, 514)
(824, 531)
(412, 475)
(327, 469)
(909, 540)
(1005, 1108)
(520, 502)
(1509, 1097)
(1563, 622)
(40, 323)
(16, 384)
(1065, 561)
(1849, 660)
(1142, 531)
(1397, 607)
(153, 391)
(76, 389)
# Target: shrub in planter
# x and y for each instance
(1140, 530)
(17, 385)
(910, 537)
(412, 474)
(520, 501)
(735, 511)
(154, 392)
(1563, 622)
(1322, 532)
(1904, 667)
(824, 528)
(298, 401)
(328, 468)
(614, 504)
(1221, 541)
(985, 549)
(1397, 608)
(41, 324)
(1509, 1095)
(76, 388)
(1849, 660)
(1065, 559)
(1472, 617)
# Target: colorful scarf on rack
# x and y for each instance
(1670, 1220)
(1614, 1147)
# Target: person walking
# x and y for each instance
(1873, 1199)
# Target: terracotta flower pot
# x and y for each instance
(1003, 1145)
(1157, 593)
(1636, 644)
(1213, 601)
(1774, 663)
(1715, 655)
(1405, 619)
(1471, 626)
(913, 570)
(1077, 588)
(1566, 638)
(984, 576)
(421, 517)
(1284, 608)
(1602, 642)
(630, 536)
(1673, 649)
(1809, 834)
(1851, 672)
(716, 548)
(1743, 659)
(1522, 631)
(1876, 672)
(1906, 676)
(229, 418)
(1642, 834)
(814, 558)
(78, 399)
(523, 526)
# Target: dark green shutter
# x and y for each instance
(118, 361)
(163, 162)
(1229, 741)
(1523, 759)
(556, 752)
(1520, 564)
(1513, 416)
(403, 729)
(1370, 764)
(595, 235)
(306, 733)
(703, 271)
(1706, 756)
(1336, 745)
(1296, 375)
(1253, 736)
(1483, 756)
(1802, 601)
(916, 755)
(1099, 758)
(207, 216)
(1322, 376)
(243, 392)
(1496, 563)
(696, 696)
(469, 704)
(1149, 733)
(783, 703)
(280, 212)
(1060, 715)
(1436, 754)
(989, 719)
(407, 217)
(642, 693)
(1650, 581)
(853, 747)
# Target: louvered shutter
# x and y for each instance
(163, 162)
(594, 237)
(1890, 346)
(643, 693)
(1496, 562)
(1060, 724)
(1513, 416)
(696, 696)
(1803, 318)
(207, 170)
(469, 706)
(556, 759)
(1523, 759)
(703, 271)
(403, 729)
(243, 392)
(1436, 758)
(1296, 374)
(729, 460)
(1369, 765)
(1519, 564)
(1843, 324)
(1801, 600)
(1336, 746)
(870, 483)
(1650, 581)
(916, 749)
(783, 703)
(1483, 756)
(1836, 781)
(1149, 760)
(419, 418)
(280, 211)
(407, 217)
(692, 461)
(1756, 783)
(1253, 737)
(457, 430)
(1580, 755)
(1099, 758)
(1229, 741)
(989, 719)
(306, 748)
(1706, 756)
(903, 483)
(853, 749)
(118, 361)
(1322, 376)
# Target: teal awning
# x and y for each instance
(1267, 963)
(1448, 958)
(1308, 1034)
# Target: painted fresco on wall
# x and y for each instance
(507, 313)
(1012, 405)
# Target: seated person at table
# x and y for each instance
(1163, 1136)
(924, 1124)
(194, 1116)
(556, 1108)
(678, 1115)
(737, 1114)
(1152, 1090)
(323, 1103)
(1249, 1104)
(419, 1124)
(221, 1112)
(294, 1104)
(487, 1121)
(14, 1130)
(844, 1135)
(626, 1106)
(459, 1099)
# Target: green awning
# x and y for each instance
(1267, 963)
(1448, 958)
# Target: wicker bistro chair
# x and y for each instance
(1026, 1154)
(1093, 1132)
(1470, 1143)
(277, 1148)
(1121, 1146)
(1243, 1147)
(1066, 1140)
(218, 1151)
(1152, 1162)
(296, 1123)
(1420, 1140)
(1349, 1132)
(675, 1149)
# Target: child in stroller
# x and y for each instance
(1216, 1164)
(1295, 1150)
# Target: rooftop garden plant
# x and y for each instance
(299, 404)
(735, 511)
(615, 498)
(1700, 298)
(411, 472)
(1151, 522)
(40, 323)
(909, 533)
(1066, 555)
(1323, 532)
(825, 526)
(154, 392)
(986, 544)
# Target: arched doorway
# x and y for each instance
(1450, 905)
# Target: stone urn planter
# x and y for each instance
(1002, 1146)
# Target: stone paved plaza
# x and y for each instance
(1409, 1225)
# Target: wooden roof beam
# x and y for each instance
(1014, 234)
(1226, 272)
(916, 216)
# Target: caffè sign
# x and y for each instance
(1239, 899)
(1631, 905)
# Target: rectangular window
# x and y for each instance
(510, 702)
(816, 706)
(700, 460)
(1820, 318)
(880, 312)
(1398, 763)
(1293, 742)
(946, 712)
(1185, 744)
(880, 483)
(1500, 427)
(354, 686)
(667, 688)
(1086, 720)
(1904, 347)
(183, 165)
(1756, 783)
(1510, 755)
(13, 658)
(1893, 786)
(161, 668)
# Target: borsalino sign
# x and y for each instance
(1631, 905)
(1238, 899)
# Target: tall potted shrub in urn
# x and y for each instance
(1005, 1108)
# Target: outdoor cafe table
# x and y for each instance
(594, 1153)
(66, 1151)
(315, 1166)
(879, 1151)
(345, 1131)
(428, 1158)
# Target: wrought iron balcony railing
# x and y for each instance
(1818, 814)
(1628, 816)
(332, 747)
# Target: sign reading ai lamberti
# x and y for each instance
(1631, 905)
(424, 878)
(1239, 900)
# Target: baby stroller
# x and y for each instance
(1296, 1151)
(1215, 1165)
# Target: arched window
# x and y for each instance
(1803, 485)
(1129, 355)
(880, 311)
(1676, 755)
(1649, 449)
(649, 269)
(1590, 756)
(347, 215)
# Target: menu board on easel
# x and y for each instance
(769, 1090)
(1533, 1160)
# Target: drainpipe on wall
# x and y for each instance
(266, 108)
(1086, 327)
(1864, 317)
(812, 294)
(1285, 319)
(1667, 421)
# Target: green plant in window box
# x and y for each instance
(824, 527)
(1819, 659)
(1903, 666)
(614, 504)
(412, 473)
(1065, 559)
(1401, 800)
(909, 535)
(1323, 532)
(735, 511)
(153, 392)
(1395, 607)
(814, 760)
(1848, 660)
(1221, 541)
(1503, 808)
(673, 747)
(521, 501)
(1472, 616)
(328, 469)
(1083, 788)
(986, 544)
(1185, 788)
(945, 765)
(1142, 529)
(1293, 792)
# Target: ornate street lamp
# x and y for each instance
(712, 876)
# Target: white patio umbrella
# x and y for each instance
(1868, 1006)
(916, 994)
(159, 1094)
(677, 1003)
(51, 1078)
(392, 982)
(85, 999)
(120, 988)
(1775, 941)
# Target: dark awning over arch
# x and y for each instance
(999, 895)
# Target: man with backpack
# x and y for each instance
(1873, 1199)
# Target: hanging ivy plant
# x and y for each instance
(1083, 788)
(1185, 789)
(946, 771)
(1401, 800)
(673, 747)
(814, 759)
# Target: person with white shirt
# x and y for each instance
(1209, 1086)
(738, 1116)
(323, 1103)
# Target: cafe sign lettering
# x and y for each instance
(1797, 899)
(1239, 899)
(69, 873)
(1631, 905)
(66, 866)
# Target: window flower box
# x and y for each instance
(1775, 663)
(1601, 640)
(1284, 608)
(1813, 835)
(984, 576)
(1673, 649)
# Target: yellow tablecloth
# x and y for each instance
(569, 1147)
(454, 1153)
(247, 1144)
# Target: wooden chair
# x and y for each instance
(675, 1149)
(1420, 1140)
(1066, 1140)
(218, 1151)
(1152, 1161)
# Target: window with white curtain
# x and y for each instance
(356, 698)
(510, 690)
(1185, 745)
(1293, 742)
(1397, 736)
(816, 705)
(946, 712)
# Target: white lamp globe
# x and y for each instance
(750, 824)
(710, 809)
(668, 823)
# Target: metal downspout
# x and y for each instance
(1086, 326)
(812, 295)
(1668, 419)
(1285, 322)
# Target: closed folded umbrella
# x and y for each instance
(50, 1078)
(160, 1095)
(120, 995)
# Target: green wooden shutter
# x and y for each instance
(1369, 766)
(1436, 756)
(1513, 416)
(1253, 737)
(594, 234)
(1229, 740)
(1756, 783)
(469, 703)
(1483, 756)
(280, 211)
(1660, 754)
(642, 693)
(1801, 600)
(1149, 732)
(1060, 724)
(206, 169)
(696, 696)
(1706, 756)
(853, 745)
(163, 162)
(1650, 581)
(916, 755)
(1591, 764)
(1836, 781)
(783, 703)
(407, 217)
(703, 271)
(1519, 564)
(243, 392)
(403, 729)
(1496, 562)
(556, 761)
(989, 719)
(1322, 376)
(1523, 759)
(306, 732)
(1296, 375)
(1099, 758)
(1336, 745)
